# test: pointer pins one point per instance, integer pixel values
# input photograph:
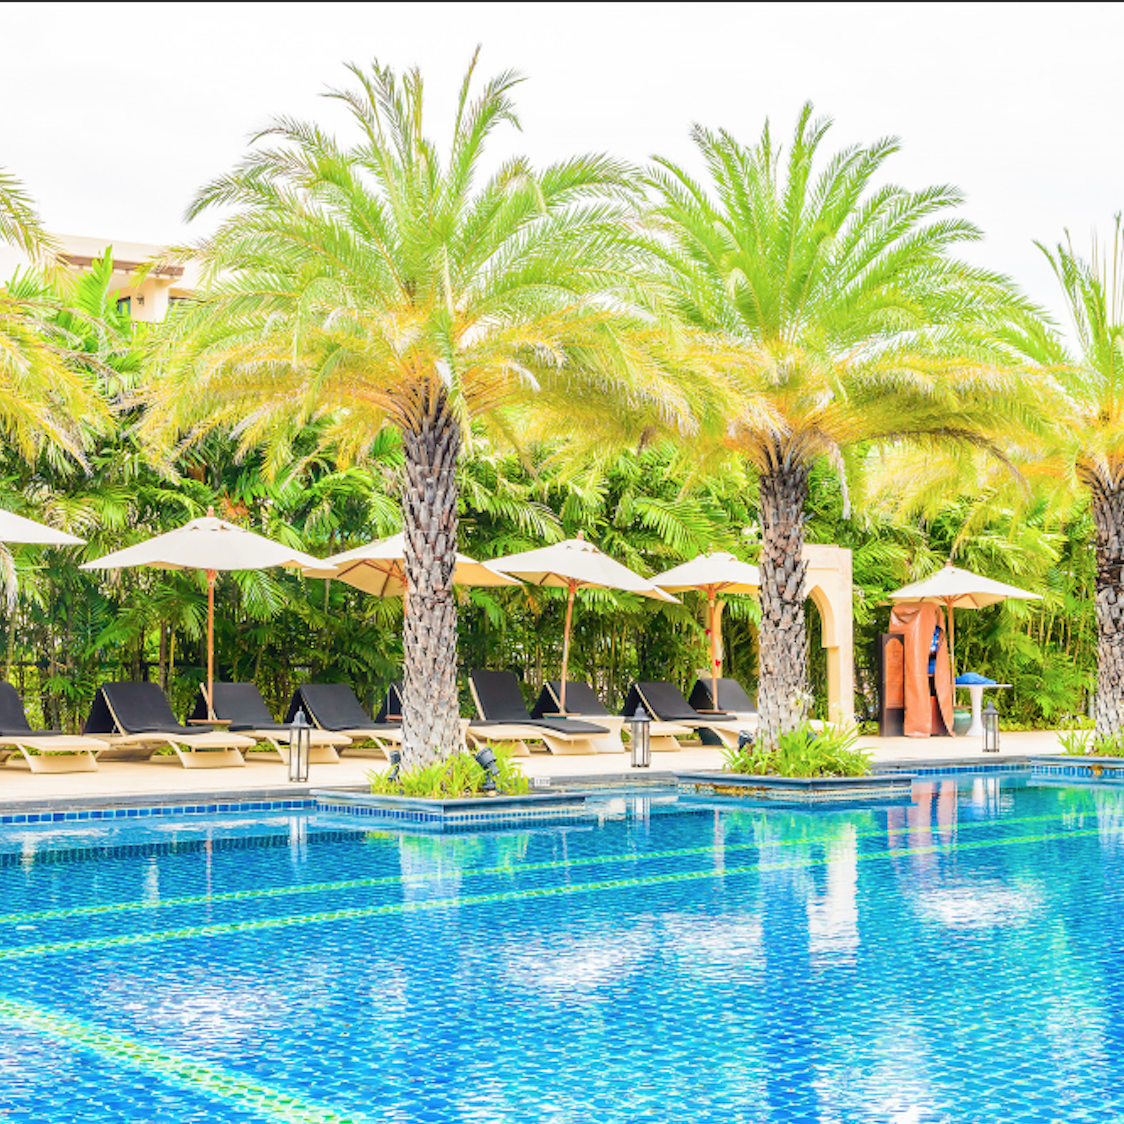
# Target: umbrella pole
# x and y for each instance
(951, 641)
(711, 601)
(211, 575)
(566, 645)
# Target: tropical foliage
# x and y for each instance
(840, 316)
(379, 283)
(736, 370)
(457, 775)
(803, 752)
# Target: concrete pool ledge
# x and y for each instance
(796, 790)
(1071, 767)
(439, 815)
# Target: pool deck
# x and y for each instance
(164, 780)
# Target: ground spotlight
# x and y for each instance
(486, 759)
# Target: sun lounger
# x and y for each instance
(582, 702)
(334, 707)
(242, 705)
(665, 703)
(733, 702)
(504, 717)
(136, 717)
(46, 751)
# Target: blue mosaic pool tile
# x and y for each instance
(83, 814)
(704, 965)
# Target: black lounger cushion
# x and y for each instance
(392, 704)
(501, 701)
(333, 706)
(732, 694)
(580, 699)
(13, 718)
(135, 708)
(663, 702)
(242, 704)
(499, 697)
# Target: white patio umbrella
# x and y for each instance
(211, 545)
(956, 588)
(380, 568)
(15, 528)
(712, 574)
(572, 565)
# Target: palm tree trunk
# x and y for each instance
(1108, 518)
(782, 693)
(430, 708)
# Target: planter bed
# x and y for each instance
(796, 790)
(445, 815)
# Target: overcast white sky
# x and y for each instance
(113, 114)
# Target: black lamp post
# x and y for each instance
(991, 728)
(486, 759)
(300, 748)
(639, 728)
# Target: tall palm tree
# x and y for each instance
(1084, 440)
(374, 284)
(842, 317)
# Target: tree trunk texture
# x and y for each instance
(1108, 705)
(430, 708)
(782, 692)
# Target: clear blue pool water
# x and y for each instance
(956, 960)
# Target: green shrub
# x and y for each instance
(458, 775)
(1075, 742)
(804, 752)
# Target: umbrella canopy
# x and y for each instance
(956, 588)
(712, 574)
(15, 528)
(207, 544)
(380, 568)
(575, 564)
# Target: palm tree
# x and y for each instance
(377, 284)
(1084, 441)
(840, 316)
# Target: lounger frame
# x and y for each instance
(519, 733)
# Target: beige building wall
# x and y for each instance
(830, 588)
(148, 299)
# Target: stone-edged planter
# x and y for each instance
(444, 815)
(1067, 768)
(796, 790)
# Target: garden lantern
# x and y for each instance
(991, 728)
(394, 756)
(300, 748)
(639, 728)
(486, 759)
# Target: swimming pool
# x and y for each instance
(956, 960)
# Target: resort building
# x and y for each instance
(146, 300)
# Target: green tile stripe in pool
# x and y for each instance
(268, 1103)
(948, 962)
(197, 932)
(417, 878)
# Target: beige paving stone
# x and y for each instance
(163, 777)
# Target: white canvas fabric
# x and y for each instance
(207, 544)
(575, 560)
(379, 568)
(722, 573)
(960, 589)
(16, 529)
